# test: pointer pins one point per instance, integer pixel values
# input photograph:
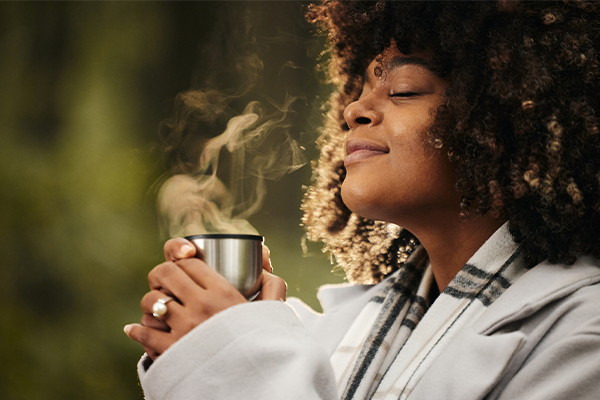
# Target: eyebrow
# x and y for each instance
(397, 62)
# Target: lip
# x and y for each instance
(358, 149)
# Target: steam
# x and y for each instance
(221, 177)
(203, 203)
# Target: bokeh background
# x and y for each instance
(83, 88)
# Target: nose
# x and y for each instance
(361, 112)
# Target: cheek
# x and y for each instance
(407, 184)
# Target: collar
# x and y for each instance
(538, 287)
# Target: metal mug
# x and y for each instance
(238, 258)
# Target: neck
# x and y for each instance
(452, 244)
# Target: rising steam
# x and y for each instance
(220, 181)
(202, 203)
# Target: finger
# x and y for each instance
(178, 319)
(151, 353)
(218, 295)
(273, 287)
(173, 281)
(152, 322)
(203, 275)
(174, 309)
(178, 249)
(266, 259)
(151, 339)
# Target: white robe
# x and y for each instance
(539, 340)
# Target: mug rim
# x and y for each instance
(224, 236)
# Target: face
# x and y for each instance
(393, 173)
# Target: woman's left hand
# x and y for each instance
(199, 293)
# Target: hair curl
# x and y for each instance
(520, 121)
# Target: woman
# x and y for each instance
(475, 127)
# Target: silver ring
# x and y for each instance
(160, 307)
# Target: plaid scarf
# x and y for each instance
(381, 358)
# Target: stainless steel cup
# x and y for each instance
(236, 257)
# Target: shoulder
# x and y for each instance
(539, 340)
(543, 288)
(559, 321)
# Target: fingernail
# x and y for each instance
(127, 328)
(186, 250)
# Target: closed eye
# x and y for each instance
(404, 94)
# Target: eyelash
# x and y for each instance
(404, 94)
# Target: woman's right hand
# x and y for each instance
(273, 287)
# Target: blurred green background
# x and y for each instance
(84, 86)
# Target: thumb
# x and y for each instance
(266, 253)
(273, 287)
(179, 249)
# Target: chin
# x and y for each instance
(360, 203)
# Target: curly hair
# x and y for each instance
(520, 121)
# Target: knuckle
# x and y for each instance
(184, 264)
(189, 325)
(147, 301)
(277, 281)
(225, 290)
(145, 321)
(151, 353)
(144, 301)
(161, 271)
(190, 263)
(232, 296)
(169, 246)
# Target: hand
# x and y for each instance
(174, 250)
(199, 292)
(273, 287)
